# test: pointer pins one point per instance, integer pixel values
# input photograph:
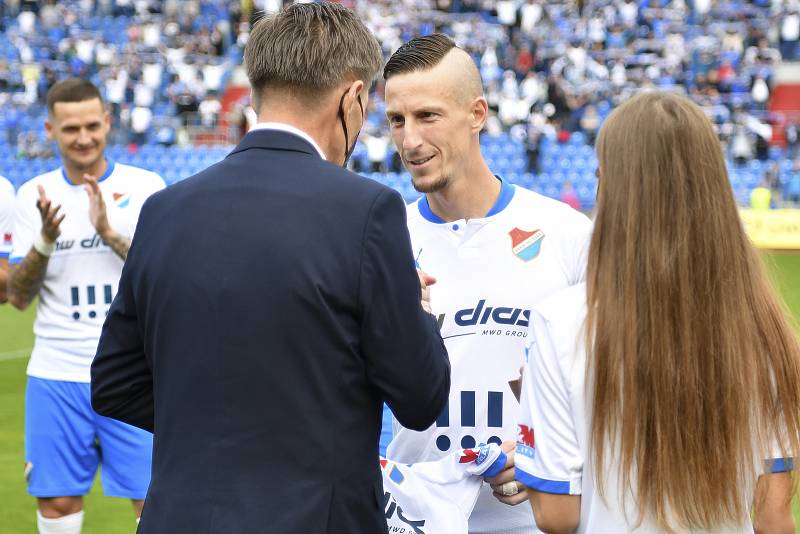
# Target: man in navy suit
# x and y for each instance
(269, 305)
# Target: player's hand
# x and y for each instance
(504, 483)
(425, 281)
(51, 220)
(97, 206)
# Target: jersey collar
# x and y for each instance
(503, 200)
(109, 170)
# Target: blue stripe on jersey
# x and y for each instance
(109, 170)
(496, 466)
(557, 487)
(4, 255)
(503, 200)
(15, 260)
(780, 465)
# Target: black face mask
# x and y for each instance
(348, 149)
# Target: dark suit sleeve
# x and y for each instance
(406, 357)
(122, 384)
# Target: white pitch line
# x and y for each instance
(15, 354)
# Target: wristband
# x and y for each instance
(43, 247)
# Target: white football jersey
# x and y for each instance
(83, 273)
(437, 497)
(6, 217)
(489, 272)
(553, 452)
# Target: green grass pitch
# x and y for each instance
(114, 516)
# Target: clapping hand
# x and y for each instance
(51, 220)
(97, 206)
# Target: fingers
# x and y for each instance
(506, 475)
(508, 446)
(91, 186)
(52, 220)
(515, 499)
(42, 194)
(425, 279)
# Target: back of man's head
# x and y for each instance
(310, 49)
(71, 90)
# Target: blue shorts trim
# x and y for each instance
(556, 487)
(66, 441)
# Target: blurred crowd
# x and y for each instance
(155, 61)
(551, 69)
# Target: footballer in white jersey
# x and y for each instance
(6, 231)
(72, 231)
(489, 273)
(83, 272)
(494, 250)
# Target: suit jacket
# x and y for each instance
(267, 308)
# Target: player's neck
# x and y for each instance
(75, 174)
(469, 196)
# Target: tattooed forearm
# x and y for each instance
(119, 244)
(26, 278)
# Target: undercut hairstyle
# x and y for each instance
(72, 90)
(310, 49)
(693, 362)
(420, 53)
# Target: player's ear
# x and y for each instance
(48, 129)
(479, 112)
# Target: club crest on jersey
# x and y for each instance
(122, 199)
(526, 244)
(391, 470)
(7, 238)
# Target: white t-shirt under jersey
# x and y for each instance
(6, 217)
(552, 454)
(83, 273)
(437, 497)
(489, 272)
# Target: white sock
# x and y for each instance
(68, 524)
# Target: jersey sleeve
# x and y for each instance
(579, 250)
(6, 219)
(549, 461)
(779, 460)
(27, 223)
(150, 183)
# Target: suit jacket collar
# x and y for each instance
(275, 140)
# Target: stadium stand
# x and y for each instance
(552, 72)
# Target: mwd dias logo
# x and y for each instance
(482, 314)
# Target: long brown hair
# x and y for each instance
(693, 364)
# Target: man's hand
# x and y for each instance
(51, 220)
(425, 281)
(97, 207)
(505, 488)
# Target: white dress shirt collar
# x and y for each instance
(288, 128)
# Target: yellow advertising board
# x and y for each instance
(773, 229)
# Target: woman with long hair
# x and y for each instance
(664, 394)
